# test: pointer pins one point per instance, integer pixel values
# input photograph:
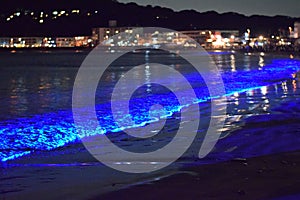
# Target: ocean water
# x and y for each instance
(37, 128)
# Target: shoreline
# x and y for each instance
(265, 177)
(240, 50)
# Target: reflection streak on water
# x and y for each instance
(33, 135)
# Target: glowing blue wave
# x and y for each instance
(22, 136)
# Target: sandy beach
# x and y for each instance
(268, 177)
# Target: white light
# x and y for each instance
(264, 90)
(55, 13)
(18, 14)
(7, 19)
(41, 21)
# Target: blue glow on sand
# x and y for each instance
(48, 131)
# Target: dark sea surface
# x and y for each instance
(38, 140)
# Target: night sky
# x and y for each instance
(247, 7)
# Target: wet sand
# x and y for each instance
(269, 177)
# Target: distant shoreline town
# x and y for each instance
(209, 39)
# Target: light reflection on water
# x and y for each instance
(30, 90)
(260, 121)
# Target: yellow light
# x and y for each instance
(79, 38)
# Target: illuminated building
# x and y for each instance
(21, 42)
(5, 42)
(103, 33)
(65, 42)
(82, 41)
(296, 29)
(212, 38)
(32, 42)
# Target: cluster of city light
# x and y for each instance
(184, 39)
(33, 42)
(40, 16)
(16, 14)
(283, 39)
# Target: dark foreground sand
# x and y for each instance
(268, 177)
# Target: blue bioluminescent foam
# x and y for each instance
(22, 136)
